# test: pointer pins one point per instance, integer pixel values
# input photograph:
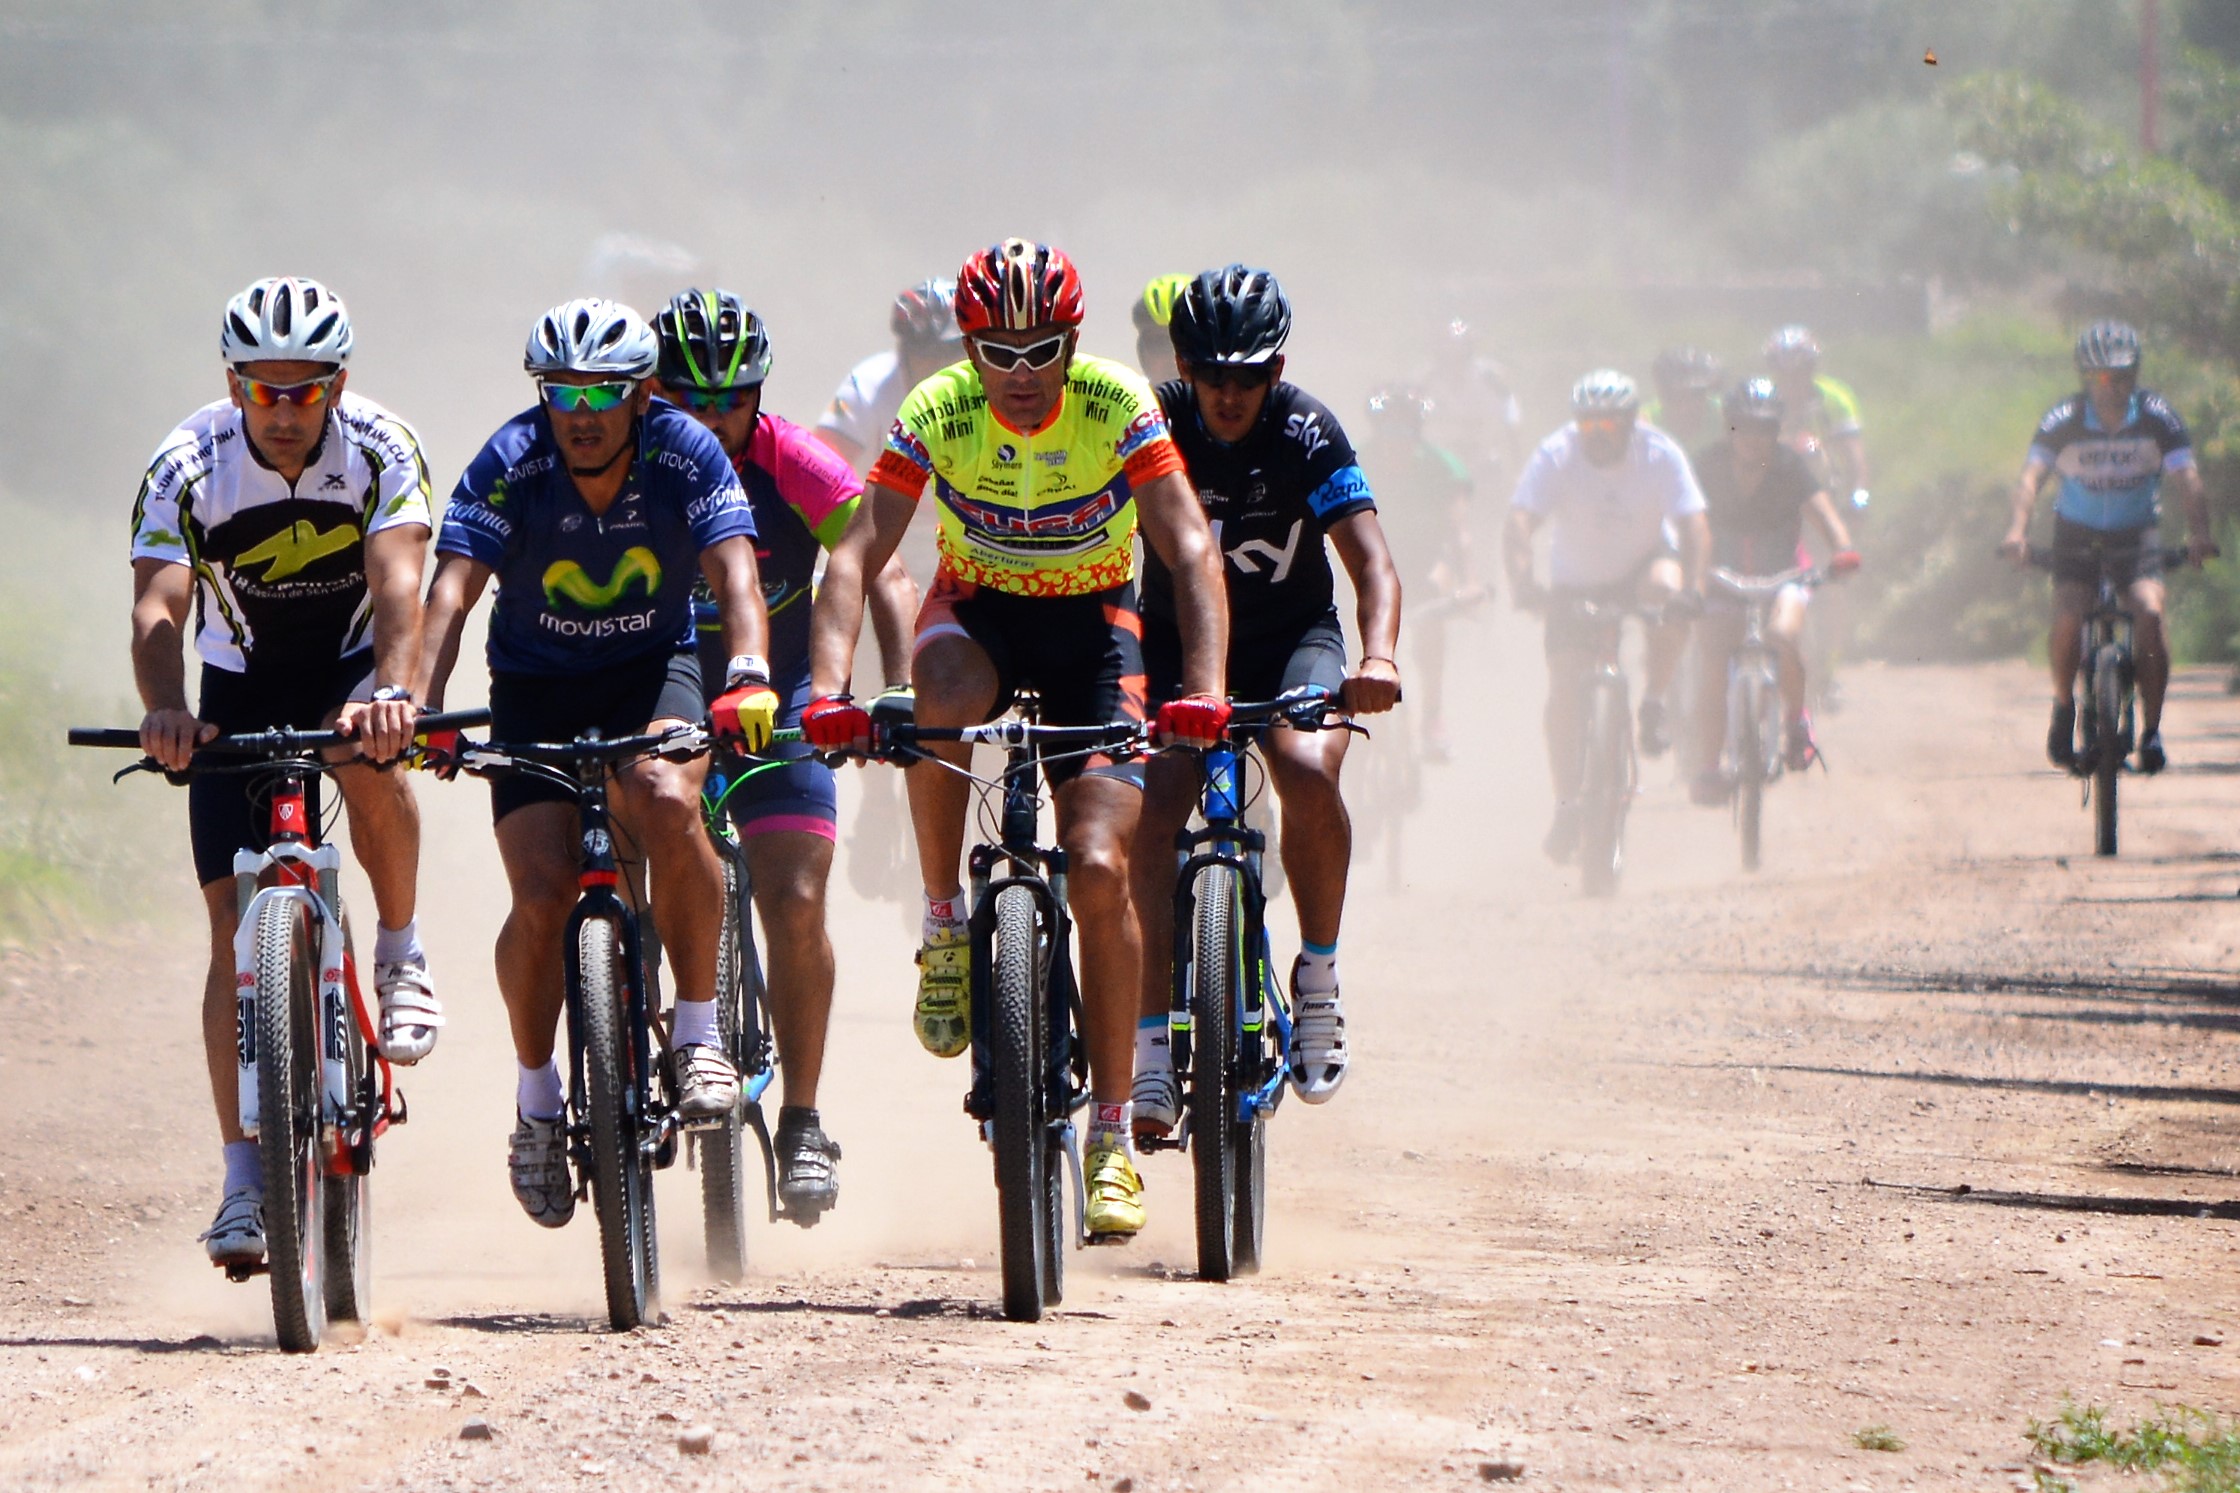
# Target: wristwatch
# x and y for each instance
(746, 668)
(389, 692)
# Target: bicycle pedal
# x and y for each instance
(238, 1272)
(1094, 1241)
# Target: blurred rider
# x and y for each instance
(2111, 445)
(1757, 494)
(1426, 521)
(593, 510)
(1820, 414)
(1475, 409)
(926, 340)
(1628, 526)
(1153, 310)
(1687, 403)
(715, 355)
(1042, 464)
(1278, 480)
(293, 519)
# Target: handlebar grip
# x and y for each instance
(104, 736)
(452, 720)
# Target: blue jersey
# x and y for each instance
(579, 590)
(2112, 479)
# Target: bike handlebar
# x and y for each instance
(277, 742)
(1752, 587)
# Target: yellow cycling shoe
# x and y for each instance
(944, 1015)
(1115, 1211)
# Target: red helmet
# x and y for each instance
(1015, 285)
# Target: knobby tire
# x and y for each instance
(288, 1121)
(1607, 788)
(621, 1180)
(1215, 958)
(2107, 730)
(1019, 1054)
(1752, 759)
(348, 1202)
(723, 1150)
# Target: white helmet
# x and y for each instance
(1604, 392)
(592, 336)
(285, 319)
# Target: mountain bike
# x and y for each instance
(1230, 1023)
(315, 1092)
(1030, 1069)
(2106, 695)
(1755, 753)
(622, 1119)
(1610, 772)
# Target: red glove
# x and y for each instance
(747, 714)
(438, 752)
(1192, 721)
(1843, 562)
(836, 723)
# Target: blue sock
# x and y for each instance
(243, 1169)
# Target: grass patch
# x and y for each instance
(1877, 1439)
(2193, 1451)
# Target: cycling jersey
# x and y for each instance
(1422, 484)
(1270, 497)
(280, 568)
(1606, 520)
(803, 495)
(1830, 410)
(1043, 512)
(2112, 479)
(1756, 533)
(1694, 434)
(864, 405)
(579, 590)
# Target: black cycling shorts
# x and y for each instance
(619, 700)
(1082, 654)
(1259, 669)
(2081, 554)
(1569, 633)
(230, 811)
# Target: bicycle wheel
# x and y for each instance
(2107, 731)
(723, 1149)
(1752, 764)
(348, 1196)
(621, 1173)
(1019, 1055)
(1257, 1063)
(1055, 1177)
(288, 1121)
(1215, 961)
(1608, 787)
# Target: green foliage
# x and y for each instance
(2195, 1451)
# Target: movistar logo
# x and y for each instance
(295, 547)
(567, 578)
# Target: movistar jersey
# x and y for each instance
(1044, 512)
(280, 568)
(2112, 479)
(1270, 498)
(579, 590)
(803, 495)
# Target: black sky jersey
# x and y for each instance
(1757, 533)
(1270, 497)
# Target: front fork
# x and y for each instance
(600, 882)
(310, 875)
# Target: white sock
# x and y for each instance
(537, 1092)
(398, 945)
(1114, 1122)
(1317, 970)
(1153, 1052)
(944, 918)
(695, 1024)
(242, 1167)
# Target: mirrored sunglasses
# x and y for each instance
(1603, 424)
(721, 401)
(265, 395)
(597, 398)
(1231, 375)
(1035, 355)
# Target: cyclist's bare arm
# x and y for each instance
(1374, 684)
(729, 566)
(865, 547)
(1175, 527)
(458, 586)
(2194, 495)
(1851, 459)
(1821, 509)
(1517, 554)
(2015, 545)
(394, 557)
(847, 450)
(162, 596)
(1695, 550)
(894, 618)
(1464, 563)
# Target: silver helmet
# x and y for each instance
(2108, 346)
(1605, 391)
(282, 318)
(592, 336)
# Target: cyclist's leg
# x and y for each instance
(1785, 627)
(790, 869)
(1718, 634)
(1317, 835)
(220, 1009)
(1170, 790)
(2150, 643)
(537, 846)
(1570, 654)
(1097, 820)
(1660, 582)
(959, 683)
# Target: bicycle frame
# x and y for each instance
(600, 896)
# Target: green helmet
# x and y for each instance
(1155, 308)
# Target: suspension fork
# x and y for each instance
(600, 897)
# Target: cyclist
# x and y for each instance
(1043, 464)
(715, 355)
(2111, 444)
(1426, 516)
(926, 340)
(1627, 521)
(1277, 477)
(1687, 403)
(1821, 414)
(1475, 404)
(1153, 310)
(591, 510)
(1757, 494)
(292, 517)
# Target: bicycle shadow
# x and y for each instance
(201, 1342)
(2066, 1087)
(2061, 1202)
(528, 1324)
(2145, 985)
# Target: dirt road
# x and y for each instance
(1926, 1127)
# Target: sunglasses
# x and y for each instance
(1603, 424)
(1035, 355)
(1231, 375)
(264, 396)
(597, 398)
(722, 401)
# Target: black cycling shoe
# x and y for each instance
(1563, 834)
(1656, 734)
(2061, 738)
(808, 1170)
(2152, 758)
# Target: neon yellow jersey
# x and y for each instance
(1045, 512)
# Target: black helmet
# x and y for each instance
(2108, 346)
(1685, 370)
(710, 340)
(1399, 399)
(1755, 400)
(1232, 315)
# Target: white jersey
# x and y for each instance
(280, 570)
(864, 406)
(1606, 522)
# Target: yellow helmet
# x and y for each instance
(1156, 306)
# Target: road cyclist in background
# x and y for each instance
(715, 355)
(1151, 313)
(1426, 522)
(1821, 420)
(1757, 495)
(1279, 481)
(1043, 462)
(1627, 526)
(592, 510)
(292, 519)
(1687, 404)
(1476, 414)
(2110, 445)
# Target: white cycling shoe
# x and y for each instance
(709, 1084)
(410, 1012)
(537, 1165)
(1318, 1044)
(236, 1236)
(1157, 1100)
